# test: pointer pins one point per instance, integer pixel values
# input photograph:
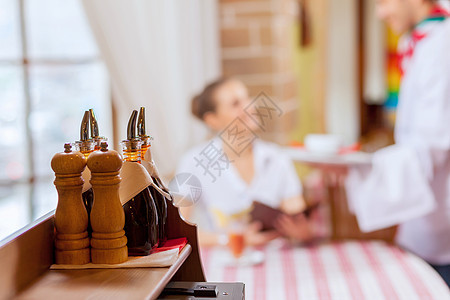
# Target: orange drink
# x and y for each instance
(236, 243)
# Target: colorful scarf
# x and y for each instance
(408, 42)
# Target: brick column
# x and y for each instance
(256, 42)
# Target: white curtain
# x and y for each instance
(159, 54)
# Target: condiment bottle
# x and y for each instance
(158, 197)
(141, 217)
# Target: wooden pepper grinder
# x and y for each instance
(108, 242)
(71, 218)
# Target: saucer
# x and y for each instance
(248, 258)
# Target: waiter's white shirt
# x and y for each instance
(409, 182)
(275, 179)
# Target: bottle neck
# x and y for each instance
(85, 147)
(146, 144)
(98, 141)
(131, 150)
(87, 153)
(144, 150)
(132, 156)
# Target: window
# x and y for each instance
(50, 73)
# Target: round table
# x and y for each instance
(337, 270)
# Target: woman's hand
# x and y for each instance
(255, 237)
(295, 227)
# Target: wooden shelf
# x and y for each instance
(26, 256)
(138, 283)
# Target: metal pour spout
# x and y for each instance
(141, 122)
(131, 129)
(84, 130)
(93, 124)
(132, 145)
(145, 139)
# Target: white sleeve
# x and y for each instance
(186, 164)
(288, 175)
(392, 191)
(186, 185)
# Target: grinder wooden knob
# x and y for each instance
(107, 218)
(71, 218)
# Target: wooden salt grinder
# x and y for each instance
(108, 240)
(71, 218)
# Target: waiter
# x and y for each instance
(408, 183)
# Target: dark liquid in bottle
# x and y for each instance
(161, 207)
(153, 227)
(139, 224)
(88, 200)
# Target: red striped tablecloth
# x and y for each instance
(342, 270)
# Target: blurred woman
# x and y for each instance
(235, 168)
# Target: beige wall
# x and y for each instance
(310, 66)
(342, 103)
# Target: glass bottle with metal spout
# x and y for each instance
(94, 131)
(141, 217)
(86, 146)
(160, 199)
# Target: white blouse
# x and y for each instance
(222, 188)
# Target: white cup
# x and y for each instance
(323, 143)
